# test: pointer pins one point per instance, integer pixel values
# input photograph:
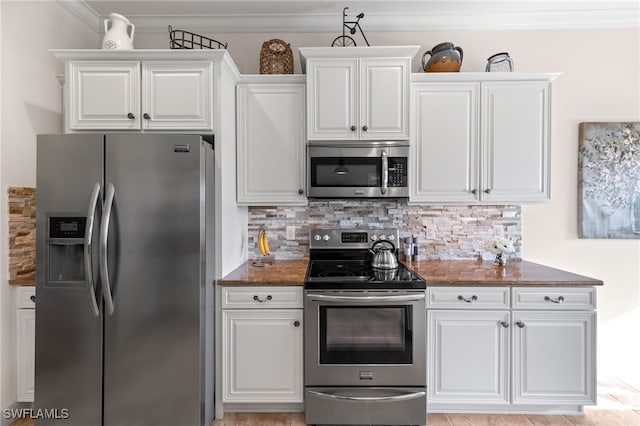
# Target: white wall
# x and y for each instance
(600, 82)
(31, 104)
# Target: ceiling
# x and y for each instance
(380, 15)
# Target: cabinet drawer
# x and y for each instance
(468, 297)
(26, 297)
(554, 298)
(262, 297)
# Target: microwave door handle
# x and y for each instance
(88, 267)
(104, 234)
(385, 172)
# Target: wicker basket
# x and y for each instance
(276, 57)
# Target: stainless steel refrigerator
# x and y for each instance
(124, 291)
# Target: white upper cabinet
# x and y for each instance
(271, 142)
(515, 135)
(480, 138)
(177, 95)
(103, 95)
(358, 93)
(384, 98)
(154, 95)
(445, 148)
(143, 89)
(332, 94)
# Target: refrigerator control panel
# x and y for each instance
(66, 227)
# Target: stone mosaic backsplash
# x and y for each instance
(444, 232)
(22, 235)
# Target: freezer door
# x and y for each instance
(68, 371)
(152, 356)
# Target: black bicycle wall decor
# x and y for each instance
(353, 26)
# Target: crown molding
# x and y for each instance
(593, 17)
(84, 13)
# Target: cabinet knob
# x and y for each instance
(257, 298)
(488, 190)
(131, 116)
(520, 324)
(296, 323)
(146, 116)
(559, 300)
(472, 299)
(504, 324)
(353, 128)
(33, 299)
(300, 191)
(474, 191)
(365, 128)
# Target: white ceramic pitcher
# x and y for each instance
(116, 32)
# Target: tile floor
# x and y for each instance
(618, 405)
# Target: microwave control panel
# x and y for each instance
(398, 171)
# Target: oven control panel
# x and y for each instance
(332, 238)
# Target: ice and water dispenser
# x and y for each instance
(65, 244)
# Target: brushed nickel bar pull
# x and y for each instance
(559, 300)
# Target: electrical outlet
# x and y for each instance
(430, 234)
(291, 232)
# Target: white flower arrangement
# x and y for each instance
(499, 245)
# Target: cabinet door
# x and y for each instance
(177, 95)
(554, 357)
(103, 96)
(271, 144)
(515, 141)
(384, 98)
(26, 339)
(262, 355)
(444, 150)
(468, 353)
(332, 99)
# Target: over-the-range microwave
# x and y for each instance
(357, 169)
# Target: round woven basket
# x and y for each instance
(276, 57)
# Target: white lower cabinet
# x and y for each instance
(554, 357)
(262, 354)
(533, 351)
(26, 339)
(468, 357)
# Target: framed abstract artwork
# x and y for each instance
(609, 180)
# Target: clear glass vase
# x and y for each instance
(500, 260)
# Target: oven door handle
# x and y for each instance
(366, 299)
(394, 398)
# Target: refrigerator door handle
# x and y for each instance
(104, 234)
(88, 267)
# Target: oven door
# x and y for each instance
(363, 171)
(365, 338)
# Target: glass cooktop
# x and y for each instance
(335, 274)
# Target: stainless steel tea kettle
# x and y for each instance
(383, 257)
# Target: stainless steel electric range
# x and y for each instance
(365, 333)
